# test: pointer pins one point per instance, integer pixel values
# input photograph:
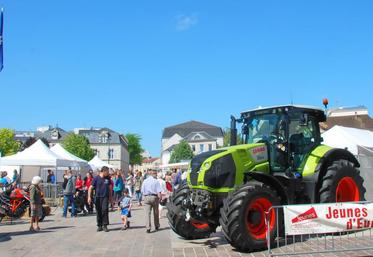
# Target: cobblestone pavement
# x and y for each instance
(78, 237)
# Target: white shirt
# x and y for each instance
(151, 186)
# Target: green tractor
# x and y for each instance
(282, 161)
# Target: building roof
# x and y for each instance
(358, 121)
(49, 134)
(150, 160)
(184, 129)
(203, 137)
(93, 135)
(348, 111)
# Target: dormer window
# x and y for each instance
(55, 135)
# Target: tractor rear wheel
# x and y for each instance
(242, 216)
(342, 183)
(176, 217)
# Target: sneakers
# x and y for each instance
(148, 230)
(106, 229)
(157, 228)
(99, 229)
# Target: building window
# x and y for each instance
(111, 153)
(103, 139)
(201, 147)
(194, 148)
(210, 147)
(197, 137)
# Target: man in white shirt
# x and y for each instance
(151, 190)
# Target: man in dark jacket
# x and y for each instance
(103, 195)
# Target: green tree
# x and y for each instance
(79, 146)
(8, 145)
(181, 152)
(134, 148)
(227, 137)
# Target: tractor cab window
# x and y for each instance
(269, 129)
(303, 137)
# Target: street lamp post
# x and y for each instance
(108, 141)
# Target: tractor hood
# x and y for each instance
(224, 168)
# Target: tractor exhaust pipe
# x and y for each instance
(233, 131)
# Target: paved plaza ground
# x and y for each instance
(78, 237)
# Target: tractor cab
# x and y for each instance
(290, 133)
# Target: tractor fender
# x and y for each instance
(325, 161)
(271, 181)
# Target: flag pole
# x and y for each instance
(1, 38)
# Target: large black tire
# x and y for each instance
(342, 183)
(242, 216)
(176, 218)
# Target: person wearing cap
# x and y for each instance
(35, 203)
(151, 190)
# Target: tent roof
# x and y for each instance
(60, 151)
(97, 163)
(38, 154)
(351, 138)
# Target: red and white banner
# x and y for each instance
(327, 218)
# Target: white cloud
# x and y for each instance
(185, 22)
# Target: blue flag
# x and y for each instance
(1, 38)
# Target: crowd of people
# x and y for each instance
(110, 189)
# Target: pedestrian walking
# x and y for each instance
(151, 190)
(87, 183)
(138, 183)
(118, 186)
(130, 183)
(35, 203)
(103, 195)
(124, 206)
(164, 194)
(68, 193)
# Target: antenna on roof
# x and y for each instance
(291, 98)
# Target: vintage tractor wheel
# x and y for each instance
(242, 216)
(342, 183)
(176, 216)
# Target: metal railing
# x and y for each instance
(295, 245)
(52, 192)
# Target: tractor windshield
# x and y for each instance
(263, 128)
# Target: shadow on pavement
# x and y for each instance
(131, 228)
(8, 236)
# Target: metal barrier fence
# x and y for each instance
(51, 192)
(283, 245)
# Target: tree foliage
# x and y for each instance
(181, 152)
(79, 146)
(227, 137)
(134, 148)
(8, 145)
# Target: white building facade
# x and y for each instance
(201, 137)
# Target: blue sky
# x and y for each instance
(139, 66)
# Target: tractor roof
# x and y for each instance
(318, 112)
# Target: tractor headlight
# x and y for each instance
(207, 165)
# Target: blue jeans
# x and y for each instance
(138, 196)
(67, 200)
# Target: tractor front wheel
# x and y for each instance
(243, 215)
(342, 183)
(177, 218)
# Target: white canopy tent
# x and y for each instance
(350, 138)
(360, 143)
(38, 155)
(60, 151)
(96, 163)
